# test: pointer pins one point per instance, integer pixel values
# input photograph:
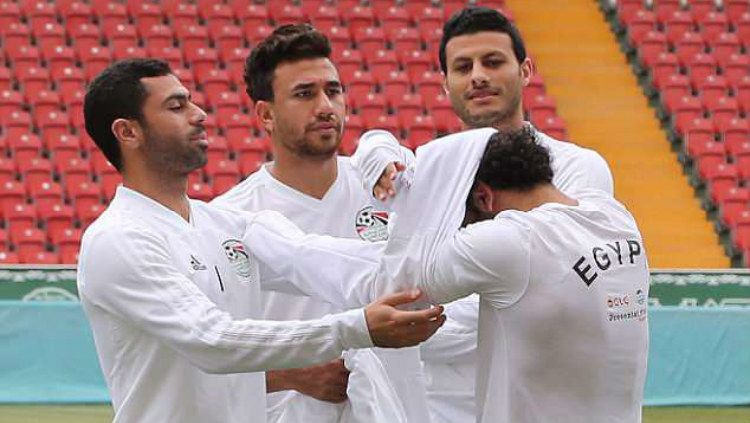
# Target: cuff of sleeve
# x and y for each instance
(353, 329)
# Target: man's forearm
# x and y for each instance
(277, 380)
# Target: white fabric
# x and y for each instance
(344, 211)
(171, 304)
(449, 356)
(563, 332)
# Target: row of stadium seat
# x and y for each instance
(53, 180)
(698, 66)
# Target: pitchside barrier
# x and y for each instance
(699, 350)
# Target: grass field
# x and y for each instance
(103, 413)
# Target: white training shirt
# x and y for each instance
(450, 355)
(171, 305)
(345, 211)
(563, 333)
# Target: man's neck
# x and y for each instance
(312, 177)
(169, 191)
(537, 196)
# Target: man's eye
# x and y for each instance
(462, 68)
(493, 63)
(302, 94)
(334, 91)
(176, 106)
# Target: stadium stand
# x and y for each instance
(693, 58)
(56, 183)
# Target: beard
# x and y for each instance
(491, 118)
(313, 145)
(172, 154)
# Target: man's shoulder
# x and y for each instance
(243, 192)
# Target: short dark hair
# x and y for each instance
(288, 43)
(471, 20)
(117, 93)
(515, 160)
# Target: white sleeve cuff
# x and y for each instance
(352, 329)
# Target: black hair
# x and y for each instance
(117, 93)
(288, 43)
(471, 20)
(515, 160)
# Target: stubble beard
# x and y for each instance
(493, 118)
(166, 160)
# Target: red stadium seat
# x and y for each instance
(192, 37)
(111, 14)
(665, 65)
(53, 125)
(395, 84)
(359, 84)
(200, 191)
(182, 14)
(59, 58)
(382, 62)
(407, 107)
(11, 193)
(359, 17)
(685, 111)
(6, 80)
(44, 102)
(541, 108)
(249, 148)
(554, 127)
(676, 23)
(405, 39)
(731, 204)
(224, 174)
(23, 58)
(202, 60)
(49, 36)
(158, 37)
(226, 104)
(641, 22)
(4, 237)
(724, 45)
(735, 9)
(88, 215)
(83, 196)
(711, 88)
(7, 171)
(145, 14)
(20, 216)
(348, 61)
(10, 101)
(700, 67)
(251, 15)
(370, 39)
(16, 124)
(35, 171)
(286, 14)
(420, 129)
(734, 132)
(217, 15)
(653, 43)
(9, 13)
(698, 133)
(218, 149)
(29, 244)
(417, 62)
(719, 177)
(340, 37)
(324, 16)
(121, 36)
(215, 83)
(688, 45)
(56, 219)
(68, 244)
(95, 60)
(73, 171)
(69, 80)
(700, 8)
(664, 9)
(40, 13)
(33, 79)
(429, 84)
(15, 36)
(723, 110)
(392, 16)
(237, 127)
(85, 37)
(352, 130)
(228, 37)
(371, 106)
(736, 67)
(428, 18)
(713, 24)
(8, 257)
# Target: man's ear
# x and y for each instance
(264, 116)
(483, 197)
(128, 133)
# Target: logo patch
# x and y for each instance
(372, 225)
(239, 259)
(196, 264)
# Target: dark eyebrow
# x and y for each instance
(304, 86)
(176, 96)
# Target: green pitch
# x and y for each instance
(103, 414)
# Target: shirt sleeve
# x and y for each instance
(456, 340)
(129, 273)
(376, 150)
(490, 258)
(591, 172)
(340, 271)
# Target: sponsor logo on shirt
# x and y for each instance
(372, 225)
(239, 259)
(196, 264)
(623, 307)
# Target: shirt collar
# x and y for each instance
(137, 203)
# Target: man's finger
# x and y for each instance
(403, 297)
(420, 316)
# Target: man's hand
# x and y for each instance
(384, 188)
(326, 382)
(393, 328)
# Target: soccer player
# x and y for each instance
(562, 277)
(484, 62)
(300, 102)
(168, 284)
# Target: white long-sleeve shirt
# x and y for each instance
(563, 333)
(450, 355)
(172, 305)
(383, 393)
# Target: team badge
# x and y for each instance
(372, 225)
(239, 259)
